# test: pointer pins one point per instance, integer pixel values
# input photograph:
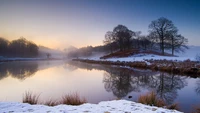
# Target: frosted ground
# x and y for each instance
(188, 54)
(115, 106)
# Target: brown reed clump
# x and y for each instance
(30, 98)
(151, 99)
(72, 99)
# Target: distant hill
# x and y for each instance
(70, 49)
(54, 53)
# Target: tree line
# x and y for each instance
(18, 48)
(163, 35)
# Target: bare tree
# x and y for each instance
(48, 55)
(144, 42)
(123, 36)
(109, 39)
(3, 46)
(137, 35)
(177, 43)
(161, 27)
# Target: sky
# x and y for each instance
(60, 23)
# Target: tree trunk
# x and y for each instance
(162, 46)
(172, 46)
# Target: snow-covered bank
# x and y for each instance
(188, 54)
(142, 57)
(115, 106)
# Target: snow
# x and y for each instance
(115, 106)
(188, 54)
(149, 57)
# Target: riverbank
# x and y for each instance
(186, 67)
(114, 106)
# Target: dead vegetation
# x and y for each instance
(152, 100)
(73, 99)
(30, 98)
(68, 99)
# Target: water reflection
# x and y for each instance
(168, 85)
(19, 70)
(197, 88)
(23, 70)
(121, 81)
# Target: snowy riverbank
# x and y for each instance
(115, 106)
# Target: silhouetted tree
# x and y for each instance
(136, 42)
(153, 38)
(48, 55)
(123, 36)
(109, 40)
(3, 46)
(144, 42)
(177, 43)
(32, 49)
(19, 48)
(162, 27)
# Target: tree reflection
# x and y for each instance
(3, 71)
(121, 81)
(19, 70)
(197, 88)
(168, 86)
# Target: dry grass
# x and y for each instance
(30, 98)
(69, 99)
(73, 99)
(196, 109)
(51, 103)
(173, 106)
(151, 99)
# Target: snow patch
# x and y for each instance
(115, 106)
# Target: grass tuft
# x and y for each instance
(151, 99)
(51, 103)
(173, 106)
(30, 98)
(73, 99)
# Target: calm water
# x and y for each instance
(53, 79)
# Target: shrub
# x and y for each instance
(151, 99)
(73, 99)
(51, 103)
(30, 98)
(173, 106)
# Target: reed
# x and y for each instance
(31, 98)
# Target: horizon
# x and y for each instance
(81, 23)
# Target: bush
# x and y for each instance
(30, 98)
(151, 99)
(51, 103)
(73, 99)
(173, 106)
